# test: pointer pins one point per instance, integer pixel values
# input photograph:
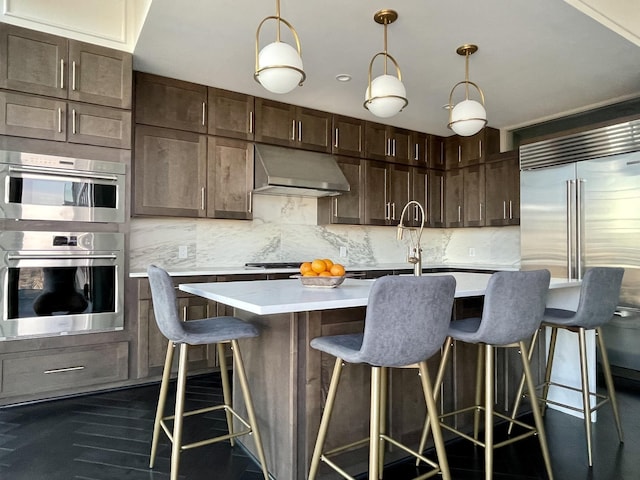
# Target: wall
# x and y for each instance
(285, 229)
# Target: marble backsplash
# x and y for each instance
(285, 229)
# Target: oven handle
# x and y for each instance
(44, 256)
(61, 172)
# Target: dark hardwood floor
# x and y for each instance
(107, 436)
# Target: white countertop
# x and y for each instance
(242, 270)
(264, 297)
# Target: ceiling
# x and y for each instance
(537, 60)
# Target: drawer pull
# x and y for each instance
(62, 370)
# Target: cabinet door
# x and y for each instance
(419, 193)
(33, 117)
(502, 191)
(376, 202)
(99, 75)
(348, 208)
(33, 62)
(399, 191)
(165, 102)
(348, 136)
(401, 147)
(376, 141)
(313, 130)
(473, 193)
(230, 114)
(102, 126)
(275, 122)
(436, 198)
(418, 152)
(169, 172)
(435, 152)
(454, 198)
(229, 178)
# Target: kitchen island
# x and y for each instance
(289, 380)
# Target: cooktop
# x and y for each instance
(272, 265)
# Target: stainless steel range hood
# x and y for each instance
(287, 171)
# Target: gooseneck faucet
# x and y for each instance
(415, 251)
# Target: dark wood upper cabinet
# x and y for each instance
(347, 208)
(44, 64)
(435, 152)
(165, 102)
(502, 180)
(465, 151)
(392, 144)
(454, 200)
(278, 123)
(474, 208)
(348, 136)
(231, 114)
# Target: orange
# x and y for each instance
(318, 265)
(310, 273)
(337, 270)
(329, 263)
(305, 267)
(326, 273)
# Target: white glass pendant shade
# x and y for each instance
(387, 97)
(468, 118)
(280, 67)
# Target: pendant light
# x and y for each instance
(385, 95)
(469, 116)
(279, 65)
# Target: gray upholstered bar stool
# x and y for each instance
(599, 295)
(514, 303)
(405, 324)
(217, 330)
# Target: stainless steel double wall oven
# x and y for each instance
(60, 273)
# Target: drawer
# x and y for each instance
(62, 369)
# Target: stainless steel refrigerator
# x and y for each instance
(580, 208)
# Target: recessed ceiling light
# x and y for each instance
(447, 106)
(343, 77)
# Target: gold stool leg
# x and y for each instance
(447, 346)
(586, 397)
(226, 389)
(488, 410)
(479, 381)
(537, 416)
(520, 392)
(432, 410)
(374, 423)
(384, 378)
(547, 373)
(179, 411)
(606, 367)
(244, 384)
(162, 400)
(326, 417)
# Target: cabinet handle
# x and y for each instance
(459, 153)
(293, 129)
(337, 134)
(59, 120)
(204, 114)
(415, 213)
(510, 210)
(251, 122)
(202, 192)
(504, 209)
(73, 75)
(335, 207)
(393, 210)
(299, 131)
(394, 147)
(62, 73)
(62, 370)
(480, 211)
(441, 199)
(184, 314)
(459, 213)
(250, 202)
(73, 121)
(416, 152)
(387, 210)
(480, 147)
(388, 149)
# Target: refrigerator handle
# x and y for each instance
(570, 185)
(579, 222)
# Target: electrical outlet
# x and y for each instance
(472, 252)
(182, 251)
(343, 252)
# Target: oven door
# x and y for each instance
(82, 191)
(51, 293)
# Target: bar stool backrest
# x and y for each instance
(514, 305)
(165, 307)
(407, 319)
(599, 296)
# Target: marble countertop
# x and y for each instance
(264, 297)
(241, 270)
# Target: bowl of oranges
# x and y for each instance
(321, 272)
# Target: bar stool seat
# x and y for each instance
(514, 303)
(405, 324)
(599, 294)
(216, 330)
